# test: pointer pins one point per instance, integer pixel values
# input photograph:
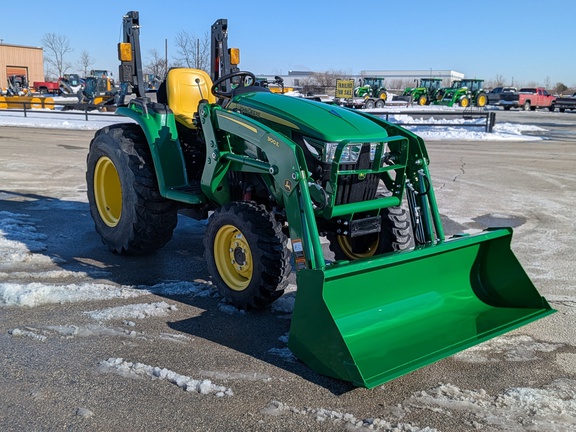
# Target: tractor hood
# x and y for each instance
(325, 122)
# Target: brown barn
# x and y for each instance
(21, 60)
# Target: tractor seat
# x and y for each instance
(185, 88)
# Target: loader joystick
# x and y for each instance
(241, 85)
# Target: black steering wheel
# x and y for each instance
(229, 94)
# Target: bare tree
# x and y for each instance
(323, 82)
(57, 46)
(193, 52)
(497, 81)
(560, 88)
(85, 62)
(547, 82)
(156, 65)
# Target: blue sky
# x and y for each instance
(524, 41)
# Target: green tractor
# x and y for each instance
(424, 93)
(371, 87)
(464, 93)
(272, 174)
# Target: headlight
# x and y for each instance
(350, 153)
(325, 151)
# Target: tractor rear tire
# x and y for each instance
(394, 235)
(247, 255)
(128, 211)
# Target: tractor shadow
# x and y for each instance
(64, 232)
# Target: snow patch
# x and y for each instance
(276, 408)
(35, 294)
(551, 408)
(506, 348)
(137, 311)
(125, 368)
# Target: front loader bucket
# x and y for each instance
(370, 321)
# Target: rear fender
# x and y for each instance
(162, 137)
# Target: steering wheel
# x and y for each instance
(229, 94)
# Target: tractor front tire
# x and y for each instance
(394, 235)
(128, 211)
(423, 100)
(247, 256)
(482, 100)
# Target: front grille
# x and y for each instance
(353, 188)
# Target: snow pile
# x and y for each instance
(348, 420)
(550, 409)
(506, 348)
(50, 119)
(125, 368)
(462, 129)
(139, 311)
(36, 294)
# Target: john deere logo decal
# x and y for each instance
(288, 185)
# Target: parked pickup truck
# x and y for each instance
(564, 103)
(496, 92)
(44, 87)
(528, 98)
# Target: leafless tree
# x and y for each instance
(497, 81)
(156, 65)
(85, 62)
(193, 52)
(323, 82)
(560, 88)
(56, 47)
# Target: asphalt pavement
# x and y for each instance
(59, 383)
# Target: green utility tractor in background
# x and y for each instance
(372, 87)
(272, 174)
(424, 93)
(464, 93)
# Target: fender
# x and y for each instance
(159, 127)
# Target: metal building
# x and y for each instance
(21, 60)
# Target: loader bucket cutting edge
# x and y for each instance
(373, 320)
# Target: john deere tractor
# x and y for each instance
(372, 87)
(463, 93)
(272, 174)
(424, 92)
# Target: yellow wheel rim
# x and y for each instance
(423, 100)
(482, 100)
(233, 257)
(107, 192)
(346, 246)
(464, 103)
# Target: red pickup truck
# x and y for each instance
(44, 87)
(528, 98)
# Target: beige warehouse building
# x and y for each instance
(21, 60)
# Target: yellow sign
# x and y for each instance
(345, 89)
